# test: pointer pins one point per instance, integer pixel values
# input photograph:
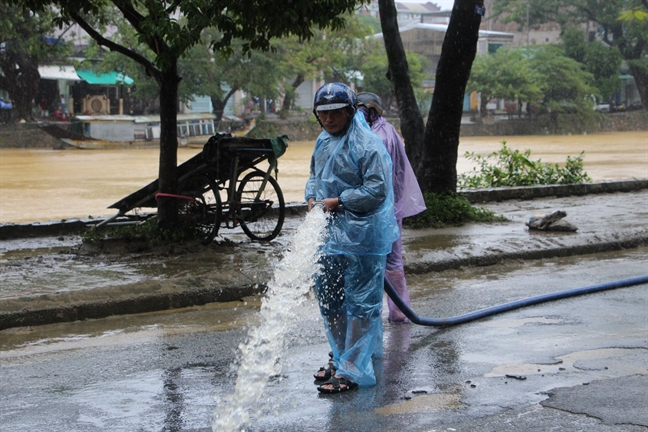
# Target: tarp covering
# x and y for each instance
(110, 78)
(58, 72)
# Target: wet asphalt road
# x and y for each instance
(571, 365)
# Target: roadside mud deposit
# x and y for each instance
(114, 277)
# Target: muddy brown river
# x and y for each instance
(44, 185)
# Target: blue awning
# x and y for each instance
(110, 78)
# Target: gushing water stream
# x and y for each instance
(261, 353)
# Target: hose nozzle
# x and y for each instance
(320, 205)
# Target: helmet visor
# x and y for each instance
(332, 106)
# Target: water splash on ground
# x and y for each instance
(261, 353)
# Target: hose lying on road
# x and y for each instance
(461, 319)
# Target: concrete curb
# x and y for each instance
(83, 310)
(532, 192)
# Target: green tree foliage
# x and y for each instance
(565, 85)
(210, 74)
(508, 74)
(370, 21)
(374, 71)
(541, 75)
(602, 61)
(159, 27)
(203, 71)
(622, 24)
(508, 167)
(23, 35)
(333, 53)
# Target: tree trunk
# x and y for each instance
(219, 109)
(437, 169)
(641, 80)
(219, 105)
(167, 210)
(483, 101)
(290, 95)
(28, 82)
(20, 80)
(412, 127)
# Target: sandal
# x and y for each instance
(337, 383)
(329, 371)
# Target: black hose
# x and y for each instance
(471, 316)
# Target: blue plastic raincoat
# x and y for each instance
(356, 168)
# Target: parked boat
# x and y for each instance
(124, 131)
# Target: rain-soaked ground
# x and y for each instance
(65, 264)
(572, 365)
(575, 364)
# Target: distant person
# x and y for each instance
(61, 113)
(63, 107)
(350, 174)
(43, 105)
(6, 109)
(408, 199)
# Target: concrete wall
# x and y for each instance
(305, 128)
(624, 121)
(112, 131)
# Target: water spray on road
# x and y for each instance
(261, 353)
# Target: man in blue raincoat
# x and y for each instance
(350, 174)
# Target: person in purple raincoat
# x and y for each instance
(408, 199)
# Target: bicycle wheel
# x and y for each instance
(203, 213)
(262, 211)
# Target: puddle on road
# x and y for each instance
(422, 240)
(521, 322)
(487, 286)
(623, 361)
(27, 273)
(424, 404)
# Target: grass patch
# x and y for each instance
(449, 210)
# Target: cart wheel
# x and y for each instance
(261, 212)
(204, 213)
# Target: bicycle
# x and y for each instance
(222, 186)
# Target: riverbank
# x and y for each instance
(304, 127)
